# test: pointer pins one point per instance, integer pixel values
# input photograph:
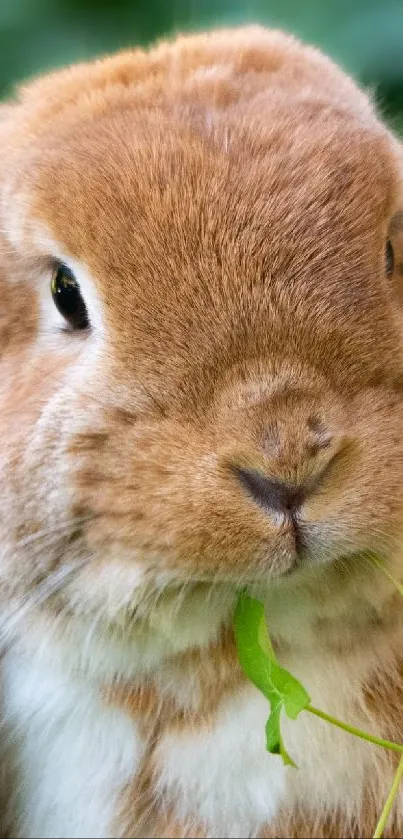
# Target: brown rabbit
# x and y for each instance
(201, 390)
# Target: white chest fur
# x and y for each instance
(223, 777)
(70, 755)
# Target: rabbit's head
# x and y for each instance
(201, 374)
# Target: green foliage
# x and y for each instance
(258, 661)
(365, 36)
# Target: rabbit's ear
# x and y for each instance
(11, 294)
(9, 120)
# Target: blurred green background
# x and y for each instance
(365, 36)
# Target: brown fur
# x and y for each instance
(231, 195)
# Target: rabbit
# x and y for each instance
(201, 393)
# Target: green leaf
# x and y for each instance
(274, 741)
(258, 662)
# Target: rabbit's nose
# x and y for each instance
(273, 495)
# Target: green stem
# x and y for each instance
(387, 574)
(387, 744)
(389, 801)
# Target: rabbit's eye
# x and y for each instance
(67, 297)
(389, 259)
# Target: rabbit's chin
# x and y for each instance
(131, 601)
(118, 621)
